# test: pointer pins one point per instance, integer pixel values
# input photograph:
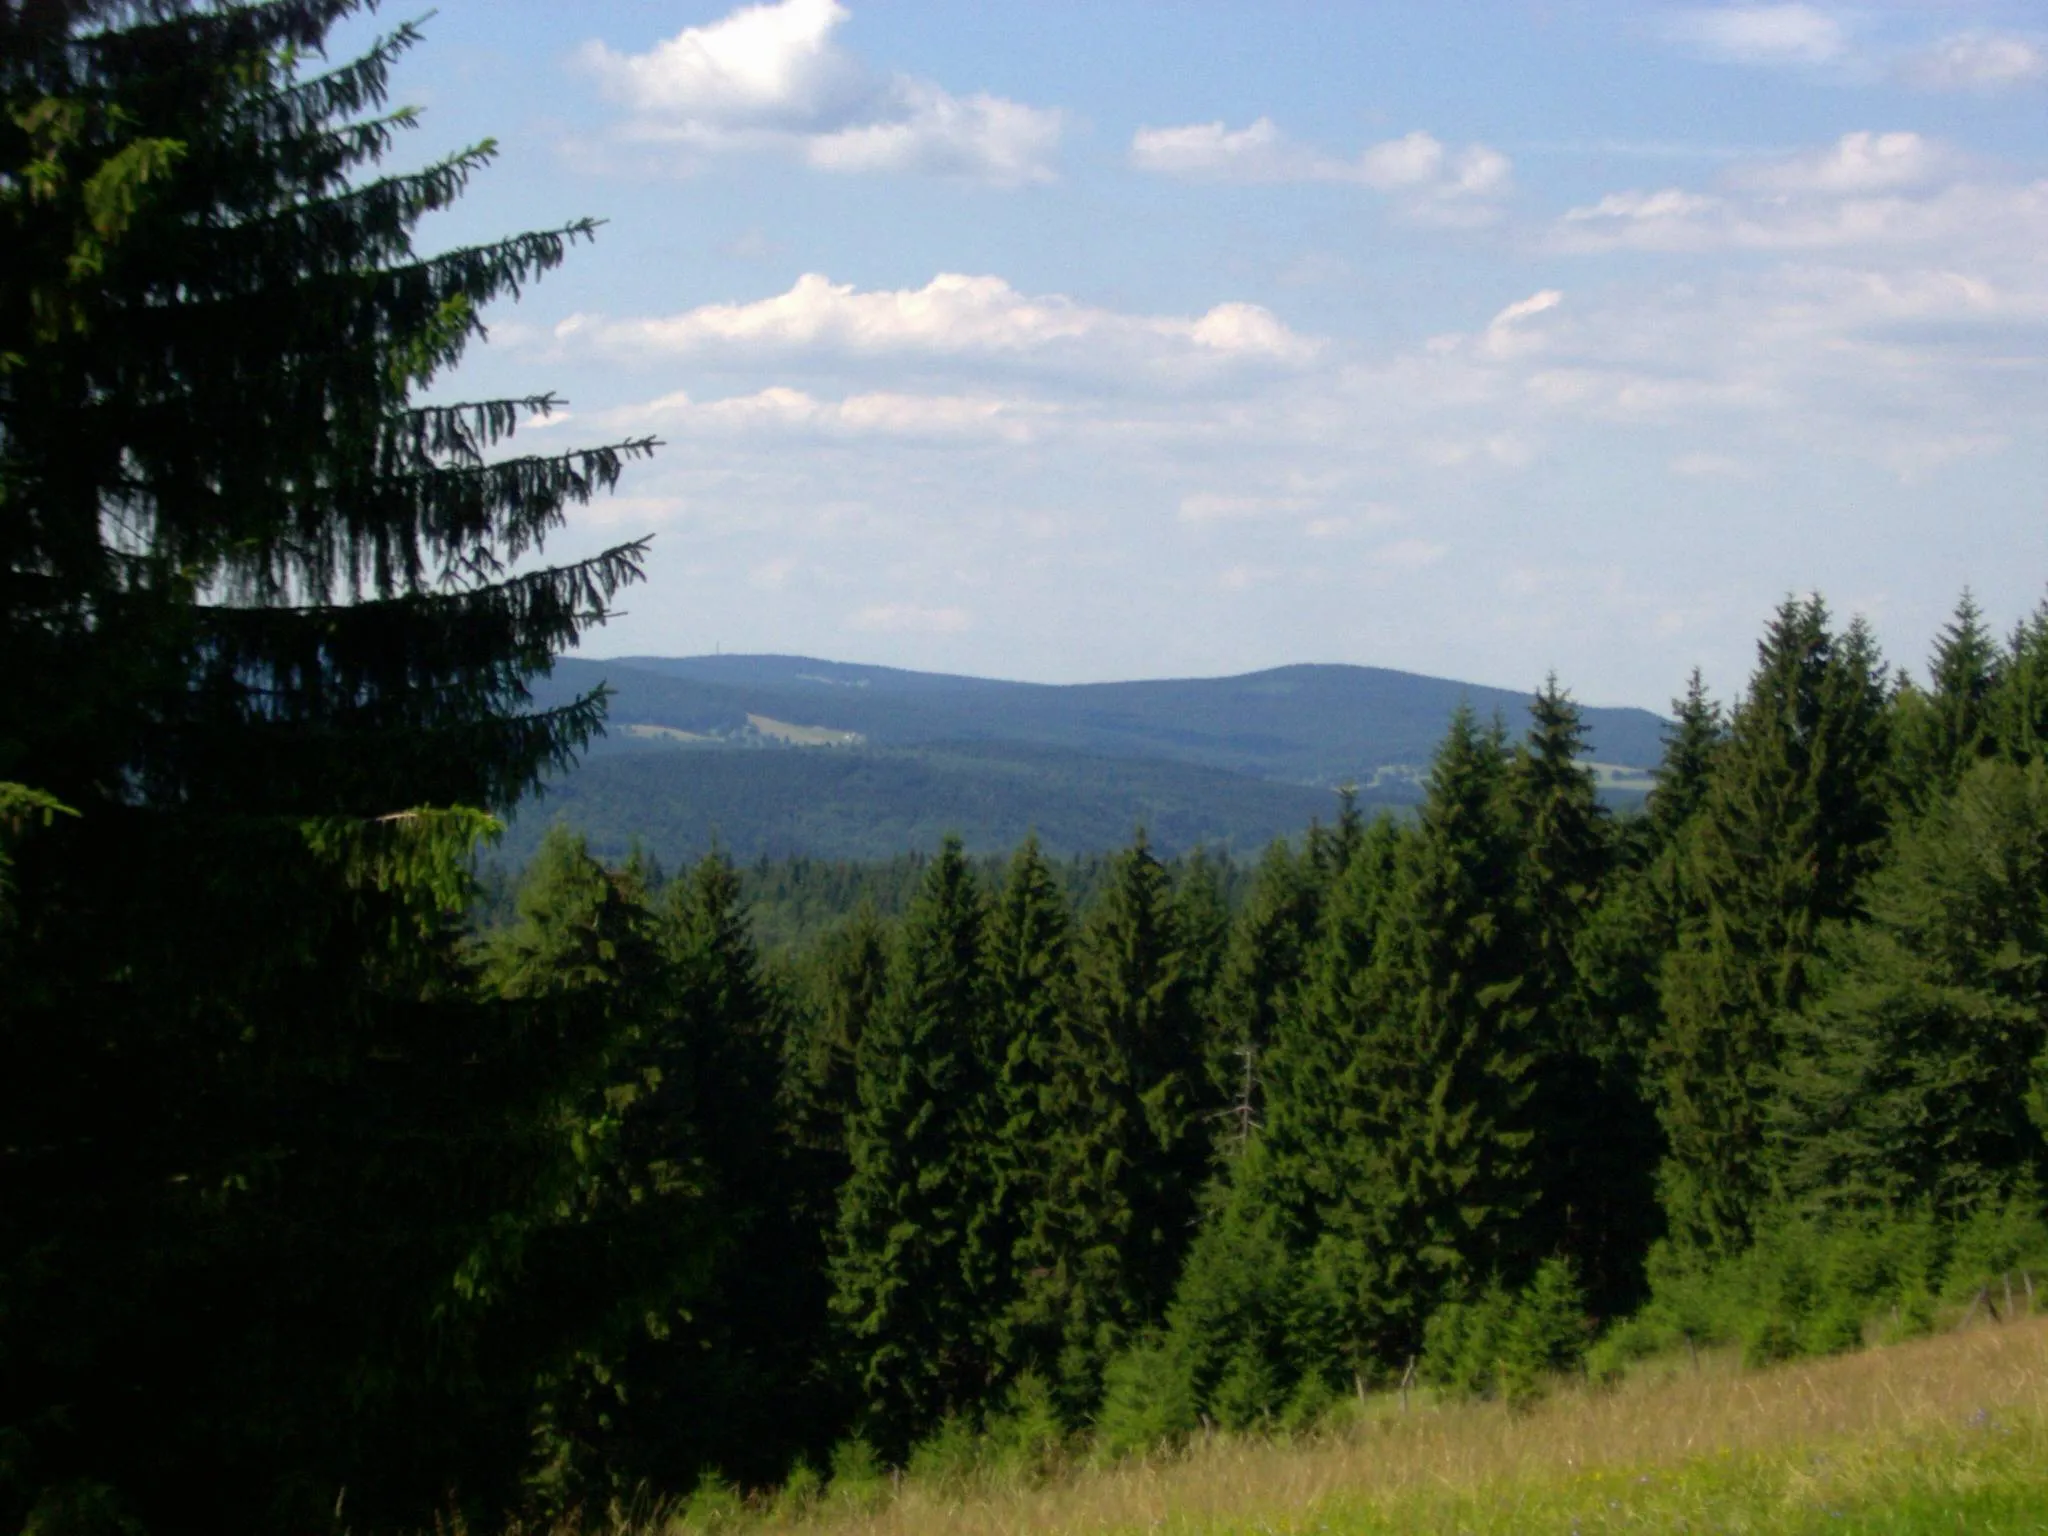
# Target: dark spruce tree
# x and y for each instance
(731, 1387)
(1098, 1258)
(1622, 947)
(1906, 1079)
(632, 1257)
(270, 1163)
(915, 1261)
(1945, 729)
(1137, 982)
(2018, 705)
(1792, 823)
(1270, 1306)
(838, 991)
(1030, 998)
(1396, 1155)
(1443, 1070)
(1262, 969)
(1596, 1141)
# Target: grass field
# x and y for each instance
(1942, 1434)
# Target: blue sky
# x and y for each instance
(1067, 342)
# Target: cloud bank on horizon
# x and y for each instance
(1066, 344)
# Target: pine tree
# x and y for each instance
(1263, 967)
(1443, 1073)
(1691, 747)
(1622, 948)
(830, 1004)
(1948, 727)
(1793, 821)
(2017, 708)
(846, 981)
(1906, 1079)
(1278, 1286)
(1396, 1153)
(1313, 1092)
(268, 625)
(1595, 1141)
(731, 1389)
(634, 1256)
(1126, 1147)
(1137, 998)
(1565, 859)
(912, 1269)
(1030, 998)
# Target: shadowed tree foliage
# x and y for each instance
(1030, 997)
(1596, 1142)
(1907, 1079)
(915, 1261)
(1948, 727)
(1137, 979)
(272, 1170)
(1444, 1069)
(1793, 821)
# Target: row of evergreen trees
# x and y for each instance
(1155, 1161)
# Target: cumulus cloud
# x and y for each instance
(1977, 61)
(1855, 163)
(888, 414)
(1865, 190)
(1418, 166)
(1763, 34)
(771, 78)
(952, 315)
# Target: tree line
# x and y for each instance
(1140, 1162)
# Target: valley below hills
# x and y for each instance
(783, 756)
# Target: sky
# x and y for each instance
(1070, 342)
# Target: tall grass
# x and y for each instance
(1943, 1433)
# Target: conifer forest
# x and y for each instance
(334, 1197)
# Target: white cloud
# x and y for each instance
(952, 315)
(1505, 334)
(1417, 166)
(771, 78)
(780, 409)
(1869, 190)
(1977, 61)
(1763, 34)
(1854, 164)
(979, 137)
(763, 66)
(909, 618)
(1211, 151)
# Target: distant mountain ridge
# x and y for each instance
(869, 760)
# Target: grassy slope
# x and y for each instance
(1941, 1434)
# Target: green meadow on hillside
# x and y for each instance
(1933, 1435)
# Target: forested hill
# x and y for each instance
(870, 760)
(1302, 724)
